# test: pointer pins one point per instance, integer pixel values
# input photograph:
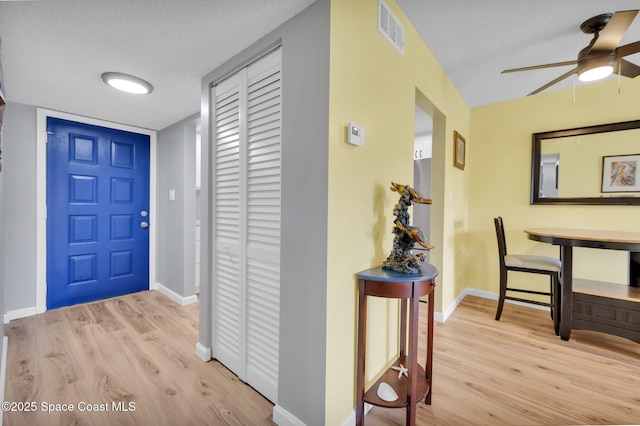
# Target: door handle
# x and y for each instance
(144, 225)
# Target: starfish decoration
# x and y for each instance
(402, 370)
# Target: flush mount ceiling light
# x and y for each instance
(127, 83)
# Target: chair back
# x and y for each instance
(502, 243)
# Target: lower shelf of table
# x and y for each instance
(604, 289)
(608, 308)
(399, 385)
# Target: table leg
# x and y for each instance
(362, 343)
(566, 309)
(412, 389)
(403, 326)
(428, 366)
(634, 269)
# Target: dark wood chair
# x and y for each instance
(532, 264)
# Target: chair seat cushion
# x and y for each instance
(542, 263)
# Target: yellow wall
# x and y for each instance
(372, 85)
(500, 180)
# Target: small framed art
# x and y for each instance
(459, 150)
(620, 173)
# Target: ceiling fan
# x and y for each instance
(602, 56)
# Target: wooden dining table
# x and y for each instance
(594, 305)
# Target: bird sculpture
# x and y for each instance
(406, 236)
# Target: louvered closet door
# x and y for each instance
(227, 277)
(263, 223)
(247, 119)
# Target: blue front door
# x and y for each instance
(97, 212)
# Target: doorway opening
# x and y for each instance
(422, 155)
(198, 166)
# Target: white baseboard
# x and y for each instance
(19, 313)
(33, 310)
(180, 300)
(442, 317)
(203, 352)
(478, 293)
(492, 296)
(3, 370)
(282, 417)
(351, 418)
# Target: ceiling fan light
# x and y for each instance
(595, 66)
(596, 73)
(127, 83)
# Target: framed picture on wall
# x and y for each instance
(620, 173)
(459, 148)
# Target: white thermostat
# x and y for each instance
(355, 134)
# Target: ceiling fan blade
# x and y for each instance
(537, 67)
(613, 32)
(627, 69)
(628, 49)
(552, 82)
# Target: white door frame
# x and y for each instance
(41, 195)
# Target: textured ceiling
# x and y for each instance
(54, 51)
(474, 40)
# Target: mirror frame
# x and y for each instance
(537, 139)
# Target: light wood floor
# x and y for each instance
(518, 372)
(140, 348)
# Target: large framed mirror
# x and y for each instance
(587, 165)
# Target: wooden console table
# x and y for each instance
(592, 305)
(409, 288)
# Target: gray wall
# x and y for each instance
(19, 206)
(3, 225)
(175, 169)
(303, 285)
(176, 159)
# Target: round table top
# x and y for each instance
(587, 234)
(617, 240)
(427, 272)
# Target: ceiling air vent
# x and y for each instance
(390, 27)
